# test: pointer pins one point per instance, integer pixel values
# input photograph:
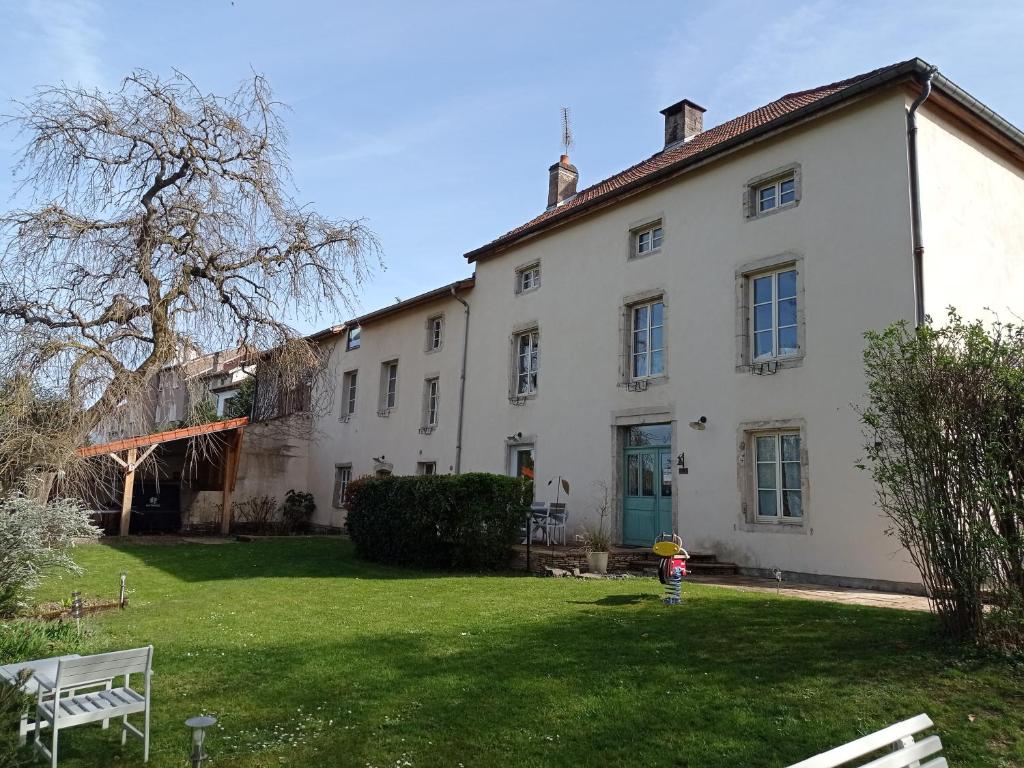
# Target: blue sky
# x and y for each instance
(437, 123)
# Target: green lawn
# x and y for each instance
(309, 657)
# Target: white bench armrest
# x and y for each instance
(44, 681)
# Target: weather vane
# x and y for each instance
(566, 131)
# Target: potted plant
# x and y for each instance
(598, 540)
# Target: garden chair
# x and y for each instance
(906, 752)
(538, 518)
(105, 702)
(556, 522)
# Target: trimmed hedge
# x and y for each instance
(467, 522)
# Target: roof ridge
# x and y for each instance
(845, 82)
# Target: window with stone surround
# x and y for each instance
(770, 325)
(342, 477)
(388, 387)
(435, 333)
(526, 362)
(528, 278)
(774, 191)
(773, 474)
(349, 384)
(647, 340)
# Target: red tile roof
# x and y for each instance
(676, 155)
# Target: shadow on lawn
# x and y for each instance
(301, 557)
(291, 558)
(730, 681)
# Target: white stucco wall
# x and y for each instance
(366, 435)
(851, 229)
(972, 198)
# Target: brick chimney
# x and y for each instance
(683, 121)
(562, 178)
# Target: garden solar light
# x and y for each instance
(199, 726)
(76, 610)
(121, 597)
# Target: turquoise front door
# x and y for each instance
(647, 487)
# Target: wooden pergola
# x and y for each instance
(132, 458)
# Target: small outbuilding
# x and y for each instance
(179, 469)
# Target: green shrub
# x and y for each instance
(438, 521)
(23, 639)
(12, 704)
(297, 510)
(945, 444)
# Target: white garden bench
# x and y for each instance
(103, 703)
(906, 752)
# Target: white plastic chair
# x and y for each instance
(556, 522)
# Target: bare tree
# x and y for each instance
(159, 219)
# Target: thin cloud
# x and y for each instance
(66, 37)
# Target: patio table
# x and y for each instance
(45, 667)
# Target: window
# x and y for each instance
(773, 191)
(776, 194)
(647, 240)
(435, 333)
(342, 477)
(528, 278)
(353, 338)
(777, 477)
(426, 468)
(647, 340)
(527, 362)
(520, 461)
(431, 402)
(388, 385)
(650, 435)
(348, 393)
(773, 304)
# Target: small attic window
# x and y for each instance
(773, 192)
(353, 338)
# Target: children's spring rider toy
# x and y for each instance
(672, 567)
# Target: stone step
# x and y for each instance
(712, 569)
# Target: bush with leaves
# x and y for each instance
(945, 444)
(297, 510)
(12, 704)
(465, 521)
(34, 538)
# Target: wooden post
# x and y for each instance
(232, 448)
(129, 489)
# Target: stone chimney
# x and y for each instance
(562, 178)
(683, 121)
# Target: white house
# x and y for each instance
(688, 333)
